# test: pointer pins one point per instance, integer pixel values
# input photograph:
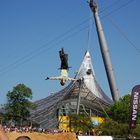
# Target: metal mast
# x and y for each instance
(104, 51)
(80, 81)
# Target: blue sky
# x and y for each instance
(33, 31)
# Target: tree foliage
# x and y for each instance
(113, 128)
(116, 129)
(81, 123)
(118, 123)
(18, 104)
(120, 111)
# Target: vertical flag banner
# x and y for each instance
(135, 97)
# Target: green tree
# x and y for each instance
(81, 123)
(116, 129)
(119, 114)
(113, 128)
(120, 111)
(18, 104)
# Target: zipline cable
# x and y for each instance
(123, 34)
(37, 51)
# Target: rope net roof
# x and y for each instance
(92, 96)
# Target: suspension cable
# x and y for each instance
(123, 34)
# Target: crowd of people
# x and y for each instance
(5, 130)
(22, 129)
(29, 129)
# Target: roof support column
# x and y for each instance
(79, 96)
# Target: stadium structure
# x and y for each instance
(52, 111)
(83, 95)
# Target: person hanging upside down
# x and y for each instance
(63, 69)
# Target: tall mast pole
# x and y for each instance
(79, 96)
(104, 52)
